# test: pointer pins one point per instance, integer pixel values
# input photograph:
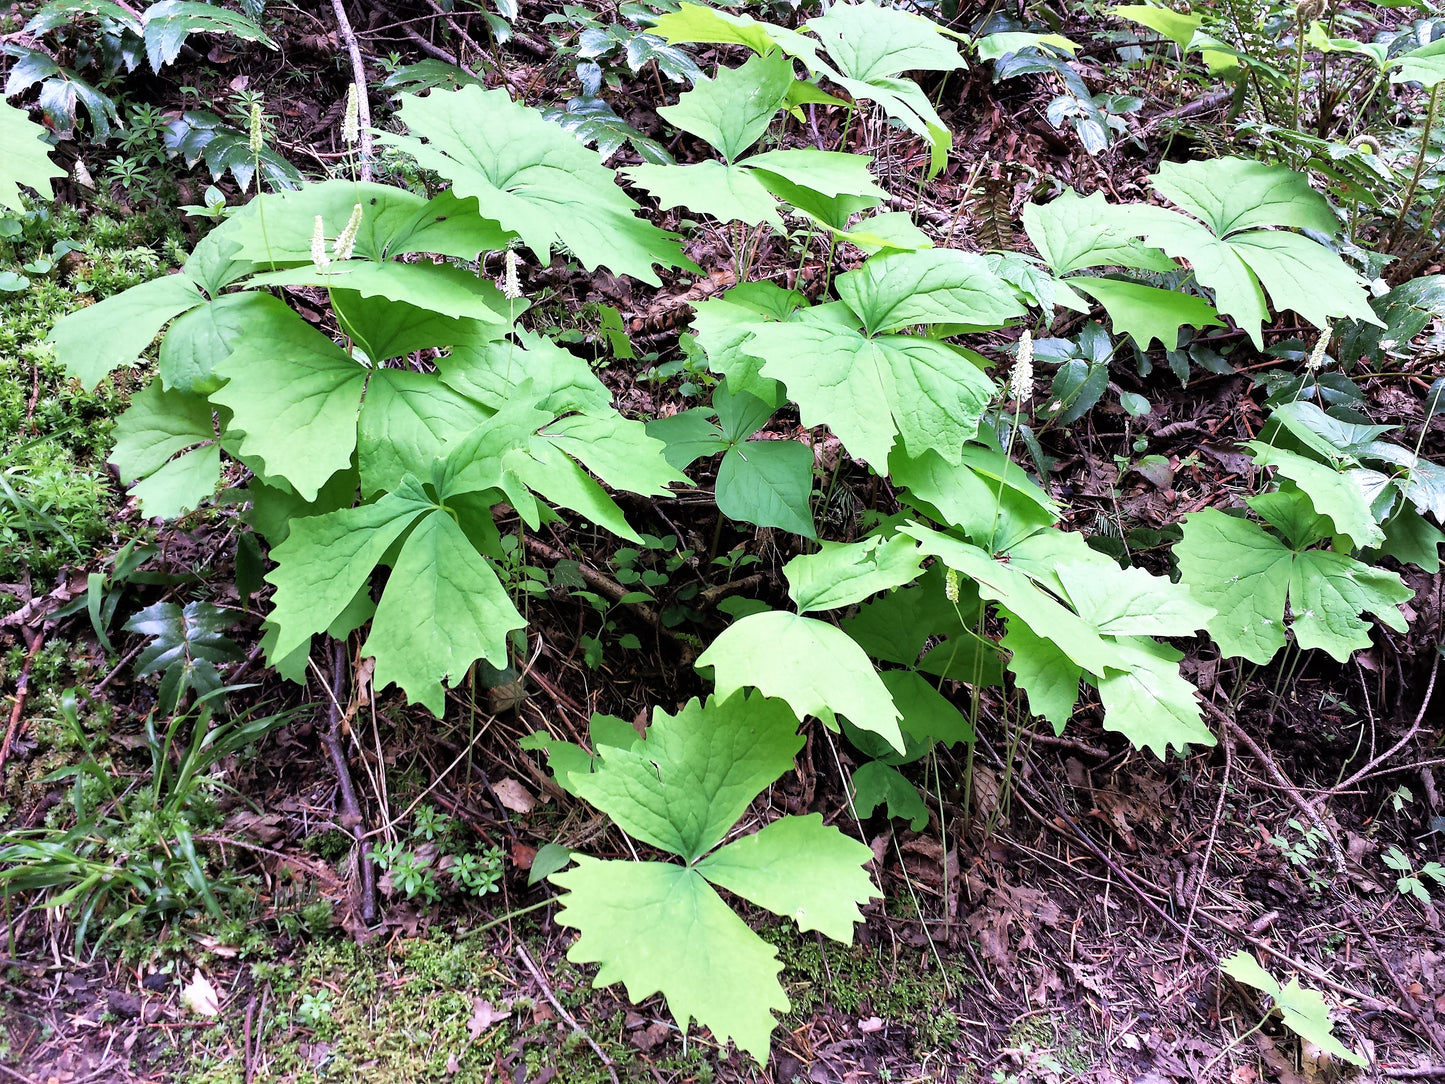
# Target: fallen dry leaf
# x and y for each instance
(514, 796)
(483, 1017)
(872, 1024)
(200, 996)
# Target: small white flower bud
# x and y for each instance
(253, 144)
(511, 284)
(950, 586)
(346, 239)
(318, 246)
(351, 123)
(1317, 355)
(1021, 380)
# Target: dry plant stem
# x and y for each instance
(1213, 835)
(358, 75)
(350, 807)
(1337, 856)
(564, 1014)
(22, 689)
(602, 584)
(1375, 762)
(1426, 1072)
(1409, 200)
(1420, 1018)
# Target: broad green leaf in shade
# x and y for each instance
(728, 192)
(27, 157)
(1302, 275)
(933, 286)
(896, 626)
(1048, 676)
(1175, 26)
(1017, 593)
(697, 23)
(886, 231)
(689, 435)
(1303, 1011)
(840, 574)
(1327, 593)
(1333, 495)
(1425, 65)
(660, 928)
(994, 46)
(406, 423)
(872, 43)
(216, 261)
(770, 483)
(688, 781)
(739, 414)
(1074, 232)
(617, 450)
(873, 392)
(876, 783)
(1243, 572)
(436, 287)
(1146, 313)
(492, 370)
(92, 341)
(186, 644)
(987, 497)
(534, 178)
(801, 868)
(1148, 701)
(156, 426)
(1413, 539)
(1332, 439)
(169, 22)
(817, 668)
(1232, 194)
(1289, 511)
(295, 394)
(443, 608)
(392, 329)
(732, 111)
(928, 717)
(199, 340)
(327, 559)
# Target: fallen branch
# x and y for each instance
(563, 1013)
(351, 818)
(22, 689)
(358, 76)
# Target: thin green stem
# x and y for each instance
(1430, 114)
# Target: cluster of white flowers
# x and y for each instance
(342, 247)
(253, 143)
(511, 284)
(1021, 380)
(950, 586)
(351, 123)
(1317, 355)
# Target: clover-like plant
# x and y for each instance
(660, 926)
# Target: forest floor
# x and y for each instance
(1061, 917)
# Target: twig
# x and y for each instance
(1388, 753)
(563, 1013)
(22, 689)
(1336, 854)
(351, 818)
(358, 75)
(1423, 1072)
(603, 585)
(1399, 985)
(711, 596)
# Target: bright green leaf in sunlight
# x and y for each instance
(660, 927)
(1247, 574)
(816, 667)
(1303, 1011)
(27, 157)
(732, 111)
(934, 286)
(875, 783)
(840, 574)
(534, 178)
(169, 440)
(1146, 313)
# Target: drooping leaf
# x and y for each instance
(92, 341)
(800, 868)
(811, 664)
(1303, 1011)
(840, 574)
(1332, 494)
(727, 191)
(27, 157)
(1048, 676)
(442, 610)
(1148, 701)
(156, 426)
(875, 783)
(1146, 313)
